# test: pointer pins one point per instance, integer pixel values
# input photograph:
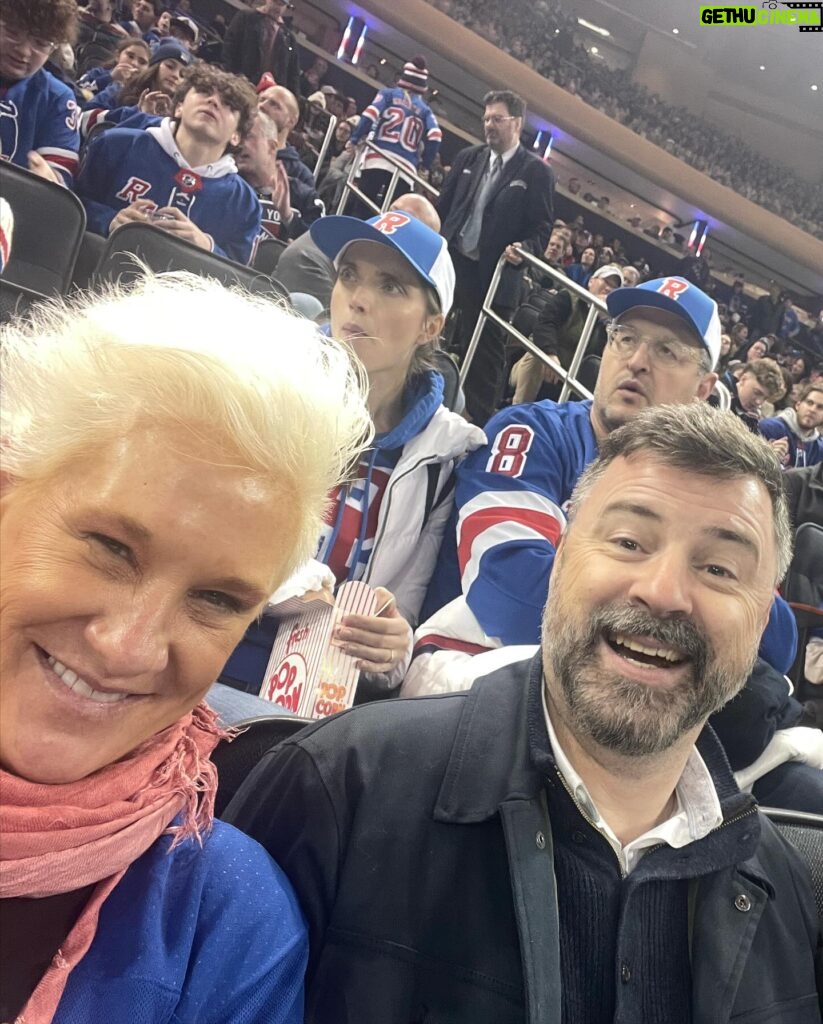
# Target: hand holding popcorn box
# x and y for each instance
(306, 674)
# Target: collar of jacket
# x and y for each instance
(495, 759)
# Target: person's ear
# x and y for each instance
(432, 328)
(706, 386)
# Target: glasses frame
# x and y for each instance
(686, 355)
(16, 35)
(497, 118)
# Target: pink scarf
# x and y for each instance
(63, 837)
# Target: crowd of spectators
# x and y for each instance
(541, 35)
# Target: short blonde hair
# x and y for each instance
(260, 383)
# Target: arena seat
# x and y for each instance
(133, 244)
(15, 300)
(805, 833)
(268, 253)
(49, 222)
(803, 589)
(236, 758)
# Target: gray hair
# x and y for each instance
(702, 440)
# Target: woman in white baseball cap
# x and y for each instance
(394, 288)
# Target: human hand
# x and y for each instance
(154, 102)
(549, 376)
(122, 73)
(780, 447)
(42, 169)
(379, 642)
(170, 219)
(513, 254)
(138, 211)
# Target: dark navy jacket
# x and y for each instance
(417, 836)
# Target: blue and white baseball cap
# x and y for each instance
(678, 296)
(427, 251)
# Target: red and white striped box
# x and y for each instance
(305, 673)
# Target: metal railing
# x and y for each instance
(324, 146)
(400, 170)
(596, 306)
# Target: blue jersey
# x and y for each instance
(125, 164)
(510, 507)
(801, 453)
(40, 113)
(401, 121)
(509, 514)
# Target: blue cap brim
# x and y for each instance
(332, 234)
(621, 300)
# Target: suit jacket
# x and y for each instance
(520, 209)
(242, 51)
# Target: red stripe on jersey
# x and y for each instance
(448, 643)
(60, 159)
(435, 133)
(541, 522)
(372, 113)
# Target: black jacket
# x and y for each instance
(242, 51)
(804, 488)
(416, 835)
(521, 209)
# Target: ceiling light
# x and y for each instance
(762, 67)
(814, 88)
(595, 50)
(593, 28)
(676, 31)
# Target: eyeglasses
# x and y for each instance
(663, 352)
(496, 119)
(17, 36)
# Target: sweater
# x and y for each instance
(194, 936)
(126, 164)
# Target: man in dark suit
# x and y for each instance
(263, 40)
(496, 198)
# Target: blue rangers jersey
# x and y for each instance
(509, 512)
(509, 515)
(40, 113)
(125, 164)
(401, 121)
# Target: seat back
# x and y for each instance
(133, 244)
(805, 833)
(804, 581)
(49, 222)
(16, 301)
(445, 364)
(268, 253)
(236, 758)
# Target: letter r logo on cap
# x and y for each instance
(673, 288)
(390, 222)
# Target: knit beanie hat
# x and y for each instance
(414, 76)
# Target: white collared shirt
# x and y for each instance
(505, 156)
(696, 814)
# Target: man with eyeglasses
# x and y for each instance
(38, 113)
(489, 587)
(498, 198)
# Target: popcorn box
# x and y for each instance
(305, 673)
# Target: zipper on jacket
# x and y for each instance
(587, 817)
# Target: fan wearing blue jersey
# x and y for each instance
(38, 113)
(398, 120)
(510, 498)
(180, 175)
